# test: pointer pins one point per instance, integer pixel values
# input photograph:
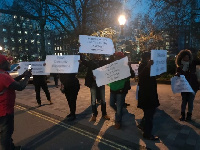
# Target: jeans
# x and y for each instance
(101, 90)
(187, 97)
(6, 131)
(148, 121)
(117, 103)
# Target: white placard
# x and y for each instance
(114, 71)
(180, 84)
(159, 58)
(62, 64)
(96, 45)
(38, 68)
(135, 68)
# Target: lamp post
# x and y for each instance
(122, 21)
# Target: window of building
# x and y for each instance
(27, 19)
(167, 43)
(55, 49)
(58, 48)
(20, 40)
(19, 32)
(26, 32)
(30, 26)
(167, 47)
(12, 39)
(26, 41)
(22, 18)
(13, 48)
(26, 48)
(38, 42)
(18, 25)
(32, 41)
(5, 40)
(4, 30)
(49, 43)
(15, 16)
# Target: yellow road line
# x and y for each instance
(75, 129)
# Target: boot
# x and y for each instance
(182, 117)
(189, 116)
(103, 110)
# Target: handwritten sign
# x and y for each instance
(62, 64)
(180, 84)
(135, 68)
(96, 45)
(114, 71)
(37, 68)
(159, 58)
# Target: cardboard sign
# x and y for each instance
(62, 64)
(114, 71)
(96, 45)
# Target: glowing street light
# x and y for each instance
(122, 21)
(1, 48)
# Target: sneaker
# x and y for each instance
(152, 137)
(117, 125)
(93, 118)
(106, 117)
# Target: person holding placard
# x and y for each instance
(147, 96)
(118, 91)
(71, 89)
(187, 67)
(91, 83)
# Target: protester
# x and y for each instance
(40, 81)
(147, 96)
(70, 89)
(91, 83)
(187, 67)
(8, 85)
(118, 91)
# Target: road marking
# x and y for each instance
(75, 129)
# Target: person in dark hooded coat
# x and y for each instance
(147, 96)
(187, 67)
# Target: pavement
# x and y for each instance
(173, 134)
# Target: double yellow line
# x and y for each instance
(75, 129)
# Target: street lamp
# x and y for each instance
(122, 21)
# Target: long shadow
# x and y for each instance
(47, 136)
(173, 134)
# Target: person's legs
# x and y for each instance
(45, 89)
(119, 104)
(183, 105)
(6, 131)
(148, 119)
(37, 91)
(113, 101)
(93, 102)
(191, 97)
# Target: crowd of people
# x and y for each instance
(147, 94)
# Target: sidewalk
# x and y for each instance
(173, 133)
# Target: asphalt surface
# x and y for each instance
(32, 128)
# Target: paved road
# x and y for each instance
(173, 133)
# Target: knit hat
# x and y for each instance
(2, 59)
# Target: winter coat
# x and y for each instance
(92, 65)
(69, 80)
(190, 75)
(147, 94)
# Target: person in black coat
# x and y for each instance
(40, 81)
(187, 66)
(147, 95)
(71, 89)
(91, 83)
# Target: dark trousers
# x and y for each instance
(71, 94)
(148, 121)
(45, 89)
(6, 131)
(187, 98)
(55, 76)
